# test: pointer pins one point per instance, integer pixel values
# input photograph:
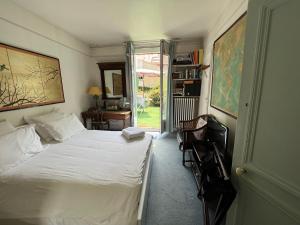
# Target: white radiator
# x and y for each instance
(184, 108)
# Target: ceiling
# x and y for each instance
(110, 22)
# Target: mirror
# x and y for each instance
(113, 79)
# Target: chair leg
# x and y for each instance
(183, 157)
(180, 146)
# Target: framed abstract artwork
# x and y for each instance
(28, 79)
(228, 53)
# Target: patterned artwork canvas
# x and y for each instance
(28, 79)
(228, 56)
(117, 84)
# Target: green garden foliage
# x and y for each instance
(154, 96)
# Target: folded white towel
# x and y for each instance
(133, 132)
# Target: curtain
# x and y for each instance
(131, 80)
(169, 122)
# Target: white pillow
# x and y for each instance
(64, 128)
(6, 127)
(17, 146)
(39, 121)
(30, 140)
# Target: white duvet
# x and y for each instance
(94, 178)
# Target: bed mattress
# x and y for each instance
(93, 178)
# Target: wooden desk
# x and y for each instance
(100, 119)
(117, 115)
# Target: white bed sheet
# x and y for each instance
(93, 178)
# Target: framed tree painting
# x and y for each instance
(228, 53)
(28, 79)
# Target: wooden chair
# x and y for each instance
(190, 131)
(95, 118)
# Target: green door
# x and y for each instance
(267, 146)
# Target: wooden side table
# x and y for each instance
(117, 115)
(94, 119)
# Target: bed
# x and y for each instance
(93, 178)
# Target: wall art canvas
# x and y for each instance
(228, 53)
(28, 79)
(117, 84)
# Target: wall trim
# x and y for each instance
(108, 56)
(259, 63)
(44, 36)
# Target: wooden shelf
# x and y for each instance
(186, 96)
(186, 65)
(202, 67)
(182, 79)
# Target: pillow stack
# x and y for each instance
(56, 125)
(17, 144)
(40, 120)
(64, 128)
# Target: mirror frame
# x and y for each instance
(112, 66)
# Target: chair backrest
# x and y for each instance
(218, 133)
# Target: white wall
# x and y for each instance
(109, 53)
(186, 46)
(22, 29)
(117, 53)
(230, 14)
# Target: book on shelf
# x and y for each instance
(187, 73)
(183, 59)
(201, 56)
(195, 57)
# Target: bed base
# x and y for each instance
(142, 209)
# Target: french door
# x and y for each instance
(164, 80)
(132, 83)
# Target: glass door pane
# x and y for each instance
(164, 76)
(134, 90)
(133, 87)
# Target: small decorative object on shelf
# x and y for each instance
(204, 67)
(195, 57)
(177, 75)
(124, 105)
(111, 105)
(182, 60)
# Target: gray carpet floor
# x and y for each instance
(172, 196)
